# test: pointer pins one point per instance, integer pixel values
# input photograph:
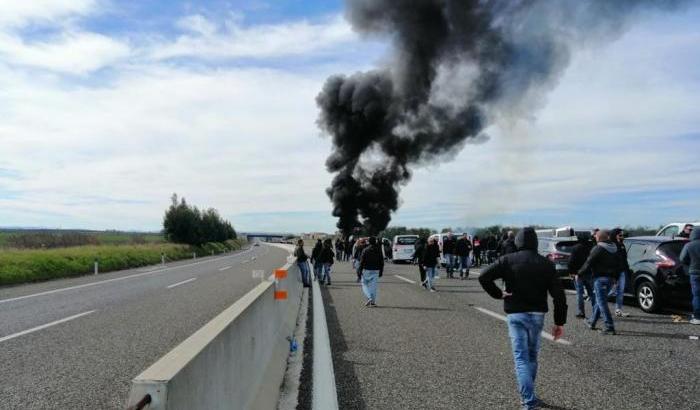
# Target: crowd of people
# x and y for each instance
(598, 265)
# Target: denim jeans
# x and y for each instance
(430, 275)
(304, 269)
(318, 270)
(581, 284)
(449, 263)
(326, 273)
(524, 330)
(695, 291)
(619, 291)
(601, 287)
(464, 264)
(369, 283)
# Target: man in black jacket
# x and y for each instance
(604, 264)
(509, 244)
(579, 254)
(617, 236)
(528, 277)
(327, 257)
(462, 249)
(431, 256)
(448, 251)
(315, 261)
(372, 268)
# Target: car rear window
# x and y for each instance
(565, 246)
(672, 249)
(406, 241)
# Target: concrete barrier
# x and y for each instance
(236, 361)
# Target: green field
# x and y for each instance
(32, 265)
(36, 237)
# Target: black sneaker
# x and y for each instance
(591, 325)
(608, 332)
(580, 316)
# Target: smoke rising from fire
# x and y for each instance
(456, 67)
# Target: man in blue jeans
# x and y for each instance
(579, 254)
(528, 277)
(604, 264)
(372, 268)
(690, 255)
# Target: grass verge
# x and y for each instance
(21, 266)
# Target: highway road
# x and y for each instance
(451, 350)
(77, 343)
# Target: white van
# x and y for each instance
(673, 229)
(403, 248)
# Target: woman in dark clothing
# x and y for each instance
(303, 263)
(431, 254)
(617, 235)
(477, 251)
(315, 261)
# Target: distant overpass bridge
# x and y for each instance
(267, 236)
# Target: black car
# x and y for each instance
(658, 277)
(557, 250)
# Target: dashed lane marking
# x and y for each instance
(405, 280)
(34, 329)
(225, 268)
(546, 335)
(174, 285)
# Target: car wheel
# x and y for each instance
(648, 297)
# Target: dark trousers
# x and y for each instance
(421, 270)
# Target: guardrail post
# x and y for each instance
(280, 291)
(97, 266)
(194, 255)
(162, 258)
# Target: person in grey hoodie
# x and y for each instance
(604, 264)
(690, 255)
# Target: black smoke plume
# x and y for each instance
(457, 65)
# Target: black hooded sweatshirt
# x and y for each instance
(316, 252)
(528, 277)
(604, 260)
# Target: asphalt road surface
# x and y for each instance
(450, 350)
(77, 343)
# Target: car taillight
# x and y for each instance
(665, 261)
(556, 256)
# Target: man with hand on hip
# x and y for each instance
(528, 278)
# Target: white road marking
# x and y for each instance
(546, 335)
(405, 280)
(49, 292)
(34, 329)
(181, 283)
(225, 268)
(570, 292)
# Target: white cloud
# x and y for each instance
(233, 40)
(70, 52)
(17, 13)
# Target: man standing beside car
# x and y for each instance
(462, 249)
(528, 277)
(604, 264)
(690, 255)
(685, 233)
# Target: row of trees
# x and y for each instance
(392, 231)
(184, 223)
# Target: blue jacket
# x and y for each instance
(690, 255)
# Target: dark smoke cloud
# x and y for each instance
(456, 66)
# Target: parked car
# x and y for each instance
(558, 250)
(673, 229)
(658, 277)
(403, 248)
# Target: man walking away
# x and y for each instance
(339, 249)
(303, 263)
(528, 277)
(690, 255)
(418, 259)
(579, 254)
(604, 264)
(431, 256)
(462, 249)
(315, 259)
(448, 250)
(372, 268)
(356, 254)
(477, 251)
(617, 236)
(509, 244)
(327, 256)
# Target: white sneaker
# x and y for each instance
(620, 313)
(695, 321)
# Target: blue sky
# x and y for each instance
(108, 107)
